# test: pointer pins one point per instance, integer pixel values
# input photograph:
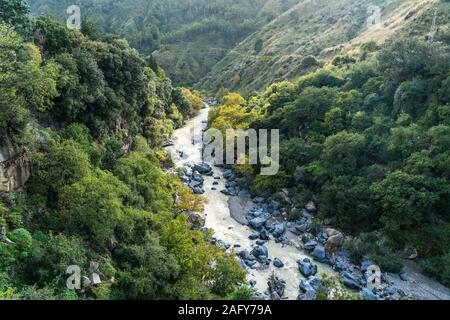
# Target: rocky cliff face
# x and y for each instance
(15, 168)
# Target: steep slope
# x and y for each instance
(318, 28)
(187, 37)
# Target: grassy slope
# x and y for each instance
(320, 28)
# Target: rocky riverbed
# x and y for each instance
(266, 244)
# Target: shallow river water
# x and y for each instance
(225, 227)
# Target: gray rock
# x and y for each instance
(259, 200)
(264, 235)
(368, 294)
(311, 207)
(310, 245)
(194, 183)
(228, 174)
(309, 295)
(95, 278)
(254, 236)
(203, 168)
(278, 263)
(258, 223)
(259, 251)
(336, 240)
(279, 229)
(245, 255)
(319, 253)
(198, 190)
(350, 280)
(302, 228)
(404, 276)
(306, 267)
(366, 264)
(243, 193)
(313, 284)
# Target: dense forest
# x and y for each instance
(187, 37)
(246, 45)
(366, 137)
(85, 116)
(91, 114)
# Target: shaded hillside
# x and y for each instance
(187, 37)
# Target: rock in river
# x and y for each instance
(279, 229)
(264, 235)
(319, 253)
(307, 268)
(259, 251)
(350, 280)
(203, 168)
(278, 263)
(310, 245)
(258, 223)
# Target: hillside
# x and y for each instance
(245, 45)
(187, 37)
(322, 29)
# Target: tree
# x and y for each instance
(343, 153)
(147, 271)
(16, 14)
(64, 164)
(27, 85)
(51, 255)
(406, 205)
(92, 208)
(232, 99)
(142, 173)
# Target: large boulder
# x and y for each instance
(196, 176)
(279, 229)
(15, 168)
(198, 190)
(336, 240)
(264, 235)
(307, 268)
(194, 183)
(259, 251)
(319, 253)
(203, 168)
(245, 255)
(350, 280)
(302, 227)
(228, 174)
(310, 245)
(309, 289)
(258, 223)
(368, 294)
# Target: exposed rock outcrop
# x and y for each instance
(15, 168)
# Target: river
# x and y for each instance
(219, 219)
